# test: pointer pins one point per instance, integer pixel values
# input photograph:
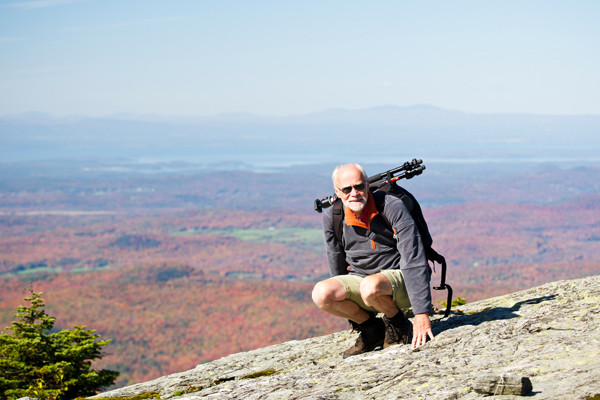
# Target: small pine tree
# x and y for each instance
(36, 362)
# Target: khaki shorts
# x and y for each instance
(352, 285)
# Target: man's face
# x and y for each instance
(350, 180)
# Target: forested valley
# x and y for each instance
(179, 266)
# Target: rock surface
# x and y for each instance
(549, 334)
(502, 384)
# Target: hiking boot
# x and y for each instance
(372, 333)
(398, 330)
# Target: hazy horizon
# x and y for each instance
(96, 58)
(150, 115)
(276, 82)
(245, 140)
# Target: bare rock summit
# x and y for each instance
(540, 343)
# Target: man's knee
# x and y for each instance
(374, 286)
(328, 292)
(322, 294)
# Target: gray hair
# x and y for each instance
(357, 166)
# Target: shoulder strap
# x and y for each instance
(381, 232)
(338, 222)
(338, 219)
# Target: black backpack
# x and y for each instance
(381, 230)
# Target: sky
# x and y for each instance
(184, 57)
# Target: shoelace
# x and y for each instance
(392, 332)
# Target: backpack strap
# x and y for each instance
(378, 237)
(378, 234)
(338, 219)
(338, 222)
(377, 226)
(438, 258)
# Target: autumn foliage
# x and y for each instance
(180, 269)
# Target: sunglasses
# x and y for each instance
(359, 188)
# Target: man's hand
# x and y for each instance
(421, 330)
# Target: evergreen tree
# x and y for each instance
(36, 362)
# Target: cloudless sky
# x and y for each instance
(200, 57)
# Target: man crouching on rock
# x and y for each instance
(369, 277)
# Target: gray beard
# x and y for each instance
(354, 207)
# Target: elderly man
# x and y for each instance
(368, 277)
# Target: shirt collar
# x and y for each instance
(369, 212)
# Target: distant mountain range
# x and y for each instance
(375, 133)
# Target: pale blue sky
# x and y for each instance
(183, 57)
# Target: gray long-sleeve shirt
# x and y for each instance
(359, 255)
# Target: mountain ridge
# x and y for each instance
(329, 134)
(185, 117)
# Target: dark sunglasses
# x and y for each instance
(359, 188)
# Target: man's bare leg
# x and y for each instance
(330, 296)
(376, 291)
